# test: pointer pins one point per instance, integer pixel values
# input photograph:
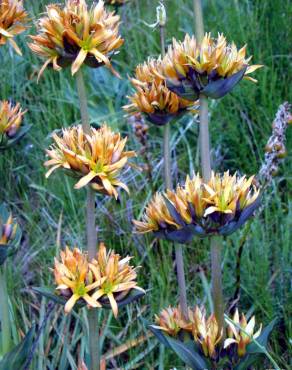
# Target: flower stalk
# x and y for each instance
(93, 331)
(204, 137)
(4, 313)
(168, 184)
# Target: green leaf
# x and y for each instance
(187, 353)
(134, 295)
(246, 361)
(217, 89)
(262, 340)
(158, 334)
(3, 253)
(15, 359)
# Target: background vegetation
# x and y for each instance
(51, 213)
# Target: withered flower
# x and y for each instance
(74, 278)
(241, 338)
(171, 320)
(211, 67)
(220, 206)
(96, 159)
(206, 332)
(117, 275)
(11, 129)
(77, 34)
(13, 20)
(152, 97)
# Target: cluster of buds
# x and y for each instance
(275, 148)
(11, 129)
(106, 279)
(96, 159)
(206, 333)
(13, 20)
(220, 206)
(8, 230)
(241, 333)
(152, 97)
(212, 67)
(172, 321)
(76, 34)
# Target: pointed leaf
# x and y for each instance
(246, 362)
(51, 295)
(16, 358)
(134, 295)
(217, 89)
(187, 353)
(262, 340)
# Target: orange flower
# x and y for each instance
(171, 321)
(13, 19)
(152, 97)
(76, 34)
(96, 159)
(117, 275)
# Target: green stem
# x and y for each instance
(168, 184)
(199, 23)
(181, 280)
(4, 313)
(217, 292)
(90, 230)
(204, 138)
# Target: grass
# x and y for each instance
(240, 127)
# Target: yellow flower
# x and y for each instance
(97, 158)
(206, 332)
(73, 274)
(116, 274)
(152, 97)
(172, 321)
(77, 34)
(241, 337)
(7, 230)
(197, 208)
(13, 19)
(211, 67)
(10, 119)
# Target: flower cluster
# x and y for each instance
(218, 207)
(8, 230)
(171, 320)
(11, 117)
(241, 332)
(152, 97)
(212, 67)
(76, 34)
(96, 158)
(96, 281)
(205, 330)
(13, 19)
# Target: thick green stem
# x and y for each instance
(205, 139)
(217, 292)
(199, 23)
(90, 230)
(94, 341)
(167, 157)
(4, 313)
(168, 184)
(181, 280)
